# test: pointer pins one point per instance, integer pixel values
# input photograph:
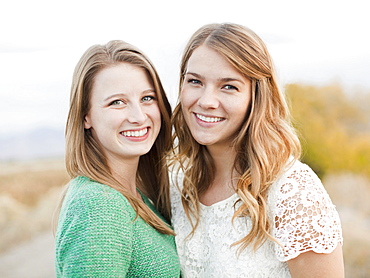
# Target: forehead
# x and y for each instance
(122, 70)
(209, 63)
(123, 78)
(124, 74)
(207, 60)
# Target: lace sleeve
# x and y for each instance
(304, 217)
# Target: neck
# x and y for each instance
(223, 158)
(224, 182)
(222, 155)
(125, 172)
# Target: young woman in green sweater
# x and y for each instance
(113, 220)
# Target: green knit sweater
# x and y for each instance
(98, 236)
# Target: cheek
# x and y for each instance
(239, 108)
(155, 114)
(187, 99)
(109, 120)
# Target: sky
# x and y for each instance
(315, 42)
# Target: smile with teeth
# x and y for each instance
(135, 133)
(209, 119)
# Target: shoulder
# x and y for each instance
(296, 169)
(95, 225)
(176, 175)
(87, 197)
(297, 178)
(176, 181)
(91, 208)
(303, 215)
(176, 184)
(85, 188)
(298, 185)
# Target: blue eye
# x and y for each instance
(230, 87)
(148, 98)
(194, 81)
(116, 102)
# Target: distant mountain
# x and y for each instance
(39, 143)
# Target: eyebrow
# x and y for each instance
(114, 96)
(151, 90)
(195, 74)
(225, 79)
(228, 79)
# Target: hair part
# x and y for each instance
(266, 142)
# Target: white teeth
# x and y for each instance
(137, 133)
(208, 119)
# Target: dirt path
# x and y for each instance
(32, 259)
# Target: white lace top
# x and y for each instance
(303, 219)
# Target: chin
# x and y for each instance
(204, 143)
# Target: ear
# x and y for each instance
(87, 122)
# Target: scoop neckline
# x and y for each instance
(219, 202)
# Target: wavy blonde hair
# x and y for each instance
(84, 156)
(266, 141)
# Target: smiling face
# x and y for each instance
(214, 98)
(124, 116)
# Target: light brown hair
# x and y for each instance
(266, 142)
(84, 156)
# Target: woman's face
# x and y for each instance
(214, 98)
(124, 116)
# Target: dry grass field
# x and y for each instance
(351, 194)
(29, 194)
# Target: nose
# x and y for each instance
(136, 114)
(209, 98)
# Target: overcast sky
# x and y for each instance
(315, 42)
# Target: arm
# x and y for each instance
(314, 265)
(308, 226)
(95, 237)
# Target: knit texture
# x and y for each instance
(98, 236)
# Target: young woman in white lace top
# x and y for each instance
(244, 205)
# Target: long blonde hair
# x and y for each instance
(84, 156)
(266, 142)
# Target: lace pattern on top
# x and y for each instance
(302, 215)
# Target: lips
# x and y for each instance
(135, 133)
(209, 119)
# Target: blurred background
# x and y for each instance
(321, 49)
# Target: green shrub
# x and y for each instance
(334, 127)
